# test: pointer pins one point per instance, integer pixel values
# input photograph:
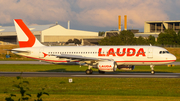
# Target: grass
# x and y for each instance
(88, 89)
(71, 68)
(98, 88)
(175, 51)
(3, 53)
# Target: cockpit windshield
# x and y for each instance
(163, 52)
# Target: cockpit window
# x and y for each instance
(163, 52)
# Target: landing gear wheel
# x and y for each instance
(152, 72)
(101, 72)
(89, 71)
(152, 69)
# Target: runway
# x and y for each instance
(95, 74)
(82, 74)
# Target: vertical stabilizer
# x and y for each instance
(25, 36)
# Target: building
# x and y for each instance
(154, 28)
(45, 34)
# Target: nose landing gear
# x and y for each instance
(152, 69)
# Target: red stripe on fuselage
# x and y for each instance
(116, 61)
(150, 61)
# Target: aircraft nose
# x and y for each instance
(173, 57)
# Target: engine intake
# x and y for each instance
(108, 66)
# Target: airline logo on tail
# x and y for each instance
(25, 36)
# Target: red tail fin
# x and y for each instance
(25, 36)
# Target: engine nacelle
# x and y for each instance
(107, 66)
(126, 67)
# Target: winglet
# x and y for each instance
(25, 36)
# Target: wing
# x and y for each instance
(80, 57)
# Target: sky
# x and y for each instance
(90, 15)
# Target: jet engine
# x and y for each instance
(107, 66)
(126, 67)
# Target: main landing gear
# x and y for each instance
(152, 69)
(89, 70)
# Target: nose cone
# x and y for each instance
(172, 57)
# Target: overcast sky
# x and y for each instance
(91, 15)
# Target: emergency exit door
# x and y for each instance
(150, 53)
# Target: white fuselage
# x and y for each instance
(122, 55)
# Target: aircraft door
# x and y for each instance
(41, 55)
(150, 53)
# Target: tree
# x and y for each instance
(168, 37)
(77, 41)
(69, 41)
(127, 37)
(178, 38)
(124, 38)
(151, 40)
(115, 40)
(101, 33)
(141, 41)
(104, 41)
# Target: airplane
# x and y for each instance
(103, 58)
